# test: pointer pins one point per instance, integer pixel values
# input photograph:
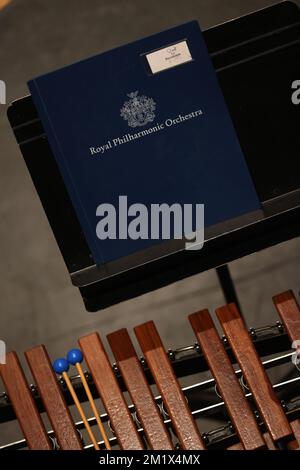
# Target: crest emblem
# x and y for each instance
(138, 110)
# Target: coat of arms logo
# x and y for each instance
(138, 110)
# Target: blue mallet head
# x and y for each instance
(74, 356)
(61, 365)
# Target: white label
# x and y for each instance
(168, 57)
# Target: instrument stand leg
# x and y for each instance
(227, 285)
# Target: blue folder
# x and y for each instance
(117, 126)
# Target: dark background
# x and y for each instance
(38, 304)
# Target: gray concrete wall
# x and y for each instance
(38, 304)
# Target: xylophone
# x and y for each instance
(257, 414)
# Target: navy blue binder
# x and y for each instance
(119, 125)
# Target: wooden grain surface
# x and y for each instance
(295, 425)
(232, 393)
(4, 3)
(254, 372)
(289, 311)
(149, 415)
(267, 438)
(168, 386)
(110, 393)
(237, 446)
(23, 404)
(52, 398)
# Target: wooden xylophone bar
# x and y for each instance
(268, 340)
(139, 389)
(165, 379)
(57, 410)
(226, 380)
(275, 427)
(255, 375)
(23, 403)
(215, 439)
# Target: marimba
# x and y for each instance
(256, 59)
(257, 414)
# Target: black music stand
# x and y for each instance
(256, 60)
